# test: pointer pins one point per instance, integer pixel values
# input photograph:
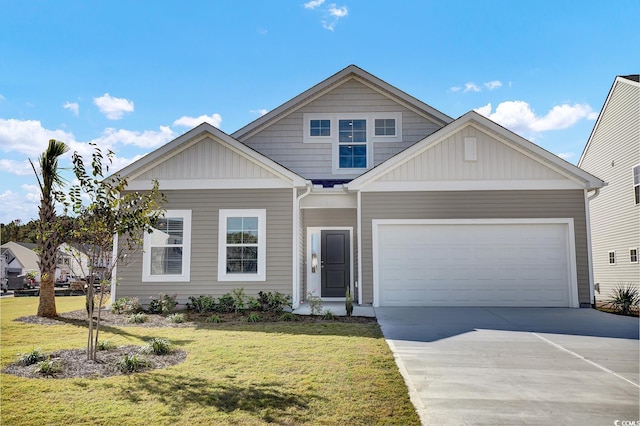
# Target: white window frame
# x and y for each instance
(633, 251)
(185, 215)
(633, 179)
(609, 258)
(261, 214)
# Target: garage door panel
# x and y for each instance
(473, 265)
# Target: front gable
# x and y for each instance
(206, 158)
(473, 153)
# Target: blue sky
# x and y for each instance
(132, 76)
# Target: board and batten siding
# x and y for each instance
(205, 206)
(207, 159)
(613, 151)
(475, 205)
(318, 218)
(283, 140)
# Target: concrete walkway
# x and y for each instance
(490, 366)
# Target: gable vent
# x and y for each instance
(470, 149)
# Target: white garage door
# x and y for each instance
(473, 264)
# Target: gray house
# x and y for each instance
(613, 153)
(356, 184)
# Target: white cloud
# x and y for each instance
(20, 168)
(18, 205)
(121, 163)
(456, 88)
(72, 106)
(471, 87)
(565, 155)
(184, 121)
(114, 108)
(338, 12)
(259, 112)
(493, 84)
(146, 139)
(28, 136)
(313, 4)
(2, 98)
(518, 116)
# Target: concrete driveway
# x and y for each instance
(517, 365)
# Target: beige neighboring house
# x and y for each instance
(613, 154)
(72, 263)
(355, 184)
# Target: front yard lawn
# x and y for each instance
(247, 374)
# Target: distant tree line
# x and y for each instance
(19, 232)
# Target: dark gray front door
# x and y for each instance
(336, 263)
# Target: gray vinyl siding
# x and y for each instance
(475, 205)
(205, 206)
(283, 141)
(614, 148)
(329, 218)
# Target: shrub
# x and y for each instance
(624, 298)
(254, 304)
(253, 317)
(34, 356)
(138, 318)
(158, 346)
(315, 303)
(288, 316)
(225, 304)
(328, 315)
(177, 318)
(164, 305)
(201, 304)
(214, 319)
(273, 302)
(126, 306)
(105, 345)
(348, 302)
(49, 367)
(238, 299)
(132, 363)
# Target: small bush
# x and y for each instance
(126, 306)
(273, 302)
(49, 367)
(288, 316)
(214, 319)
(253, 317)
(624, 298)
(201, 304)
(315, 303)
(238, 299)
(34, 356)
(105, 345)
(158, 346)
(164, 305)
(138, 318)
(254, 304)
(328, 315)
(348, 302)
(132, 363)
(225, 304)
(177, 318)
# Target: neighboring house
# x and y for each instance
(613, 154)
(72, 263)
(19, 260)
(356, 184)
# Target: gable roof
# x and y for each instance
(632, 80)
(346, 74)
(517, 142)
(182, 142)
(26, 256)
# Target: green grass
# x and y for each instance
(252, 374)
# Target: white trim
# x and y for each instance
(636, 249)
(359, 236)
(329, 200)
(470, 185)
(296, 249)
(571, 251)
(239, 183)
(615, 258)
(592, 293)
(318, 229)
(306, 126)
(186, 251)
(261, 274)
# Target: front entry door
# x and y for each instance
(335, 263)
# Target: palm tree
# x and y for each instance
(50, 181)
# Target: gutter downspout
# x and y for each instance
(297, 242)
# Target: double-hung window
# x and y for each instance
(352, 140)
(167, 249)
(242, 245)
(636, 183)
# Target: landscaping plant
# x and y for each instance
(624, 298)
(348, 302)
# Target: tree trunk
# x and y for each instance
(47, 305)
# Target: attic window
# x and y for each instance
(320, 128)
(470, 149)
